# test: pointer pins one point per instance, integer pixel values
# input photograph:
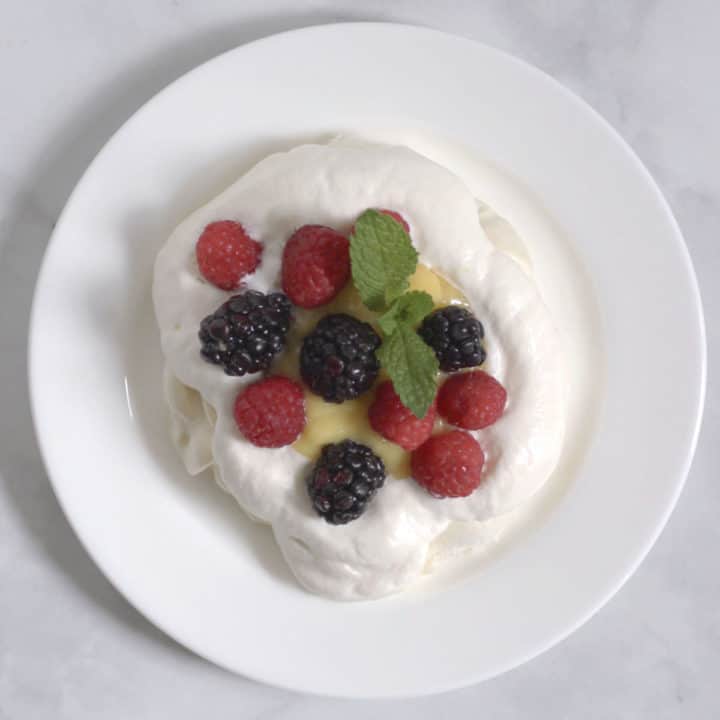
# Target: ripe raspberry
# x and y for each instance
(449, 464)
(395, 216)
(271, 412)
(226, 254)
(389, 417)
(315, 266)
(471, 400)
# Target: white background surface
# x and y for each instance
(70, 74)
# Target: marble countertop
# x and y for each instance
(71, 648)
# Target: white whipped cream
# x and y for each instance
(388, 547)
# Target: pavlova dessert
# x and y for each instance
(359, 362)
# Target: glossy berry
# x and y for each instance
(455, 335)
(471, 400)
(337, 359)
(391, 419)
(271, 412)
(315, 265)
(226, 254)
(245, 333)
(449, 464)
(344, 480)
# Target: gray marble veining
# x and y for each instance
(70, 647)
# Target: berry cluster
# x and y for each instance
(338, 362)
(447, 464)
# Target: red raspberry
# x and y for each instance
(315, 266)
(389, 417)
(471, 400)
(226, 254)
(271, 412)
(449, 464)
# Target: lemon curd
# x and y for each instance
(331, 422)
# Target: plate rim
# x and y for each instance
(149, 613)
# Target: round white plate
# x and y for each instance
(180, 550)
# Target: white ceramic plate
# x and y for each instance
(181, 551)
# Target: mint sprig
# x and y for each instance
(383, 259)
(412, 367)
(409, 309)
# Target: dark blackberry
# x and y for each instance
(455, 335)
(337, 359)
(344, 480)
(245, 333)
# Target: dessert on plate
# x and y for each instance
(361, 360)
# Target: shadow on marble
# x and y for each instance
(43, 192)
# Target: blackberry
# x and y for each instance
(344, 480)
(455, 335)
(337, 359)
(245, 333)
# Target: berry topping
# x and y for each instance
(449, 464)
(226, 254)
(389, 417)
(315, 265)
(338, 360)
(271, 412)
(344, 480)
(455, 335)
(245, 333)
(471, 400)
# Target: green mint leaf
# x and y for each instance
(382, 259)
(412, 367)
(409, 309)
